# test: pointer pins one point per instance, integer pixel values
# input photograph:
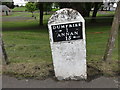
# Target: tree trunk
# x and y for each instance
(5, 58)
(88, 7)
(32, 14)
(96, 8)
(65, 5)
(46, 13)
(113, 34)
(3, 53)
(80, 8)
(41, 13)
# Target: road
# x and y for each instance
(101, 82)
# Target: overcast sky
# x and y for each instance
(19, 2)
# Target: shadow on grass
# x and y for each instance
(22, 28)
(99, 21)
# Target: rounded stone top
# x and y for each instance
(65, 15)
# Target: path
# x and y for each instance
(102, 82)
(16, 18)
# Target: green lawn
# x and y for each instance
(29, 45)
(28, 48)
(33, 45)
(19, 9)
(22, 14)
(24, 23)
(104, 13)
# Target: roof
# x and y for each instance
(4, 7)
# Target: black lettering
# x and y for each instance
(67, 32)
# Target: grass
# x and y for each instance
(24, 23)
(31, 44)
(22, 14)
(19, 9)
(30, 54)
(54, 9)
(104, 13)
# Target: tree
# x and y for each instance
(3, 52)
(39, 5)
(31, 7)
(41, 8)
(65, 5)
(96, 6)
(83, 7)
(9, 4)
(47, 7)
(56, 5)
(113, 34)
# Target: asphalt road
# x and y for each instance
(101, 82)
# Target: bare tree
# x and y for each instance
(113, 34)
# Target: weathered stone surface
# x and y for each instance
(64, 15)
(69, 49)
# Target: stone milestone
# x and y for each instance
(68, 44)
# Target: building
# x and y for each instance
(4, 10)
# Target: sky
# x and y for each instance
(22, 2)
(19, 2)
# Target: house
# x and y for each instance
(4, 10)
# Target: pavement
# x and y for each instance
(101, 82)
